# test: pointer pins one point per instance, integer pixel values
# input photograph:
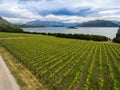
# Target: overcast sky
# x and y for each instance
(21, 11)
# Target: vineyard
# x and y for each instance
(68, 64)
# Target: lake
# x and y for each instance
(105, 31)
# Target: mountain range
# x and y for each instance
(95, 23)
(51, 24)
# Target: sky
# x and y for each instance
(22, 11)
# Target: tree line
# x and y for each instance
(75, 36)
(10, 28)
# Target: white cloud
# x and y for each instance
(23, 11)
(110, 12)
(63, 18)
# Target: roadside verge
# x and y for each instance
(7, 81)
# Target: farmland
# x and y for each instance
(67, 64)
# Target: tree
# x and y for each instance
(117, 39)
(118, 33)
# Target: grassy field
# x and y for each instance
(67, 64)
(13, 35)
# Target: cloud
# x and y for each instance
(60, 10)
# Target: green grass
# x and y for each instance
(68, 64)
(13, 35)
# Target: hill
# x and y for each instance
(6, 26)
(99, 23)
(4, 22)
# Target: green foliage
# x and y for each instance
(117, 39)
(118, 33)
(75, 36)
(8, 28)
(83, 37)
(68, 64)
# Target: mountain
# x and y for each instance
(99, 23)
(117, 22)
(51, 23)
(6, 26)
(95, 23)
(44, 23)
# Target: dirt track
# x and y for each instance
(7, 81)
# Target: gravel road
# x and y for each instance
(7, 81)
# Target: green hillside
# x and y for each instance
(68, 64)
(6, 26)
(4, 22)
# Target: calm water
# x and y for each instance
(109, 32)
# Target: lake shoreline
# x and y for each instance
(109, 32)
